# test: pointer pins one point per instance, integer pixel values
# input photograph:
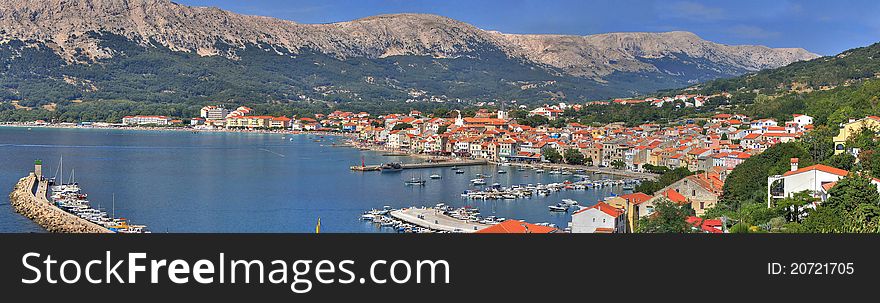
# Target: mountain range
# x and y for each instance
(155, 51)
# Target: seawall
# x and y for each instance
(38, 208)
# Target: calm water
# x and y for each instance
(229, 182)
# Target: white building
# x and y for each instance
(816, 179)
(143, 120)
(212, 112)
(599, 218)
(803, 120)
(762, 123)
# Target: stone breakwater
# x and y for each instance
(41, 211)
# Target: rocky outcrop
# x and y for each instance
(64, 25)
(592, 56)
(45, 214)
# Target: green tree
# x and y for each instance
(533, 121)
(574, 156)
(793, 208)
(853, 206)
(551, 154)
(747, 183)
(852, 191)
(618, 164)
(440, 112)
(668, 217)
(400, 126)
(843, 161)
(666, 179)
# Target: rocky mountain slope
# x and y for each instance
(69, 37)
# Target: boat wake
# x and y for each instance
(271, 152)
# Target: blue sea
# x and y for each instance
(177, 181)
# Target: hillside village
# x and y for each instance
(709, 147)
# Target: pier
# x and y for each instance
(424, 165)
(434, 219)
(29, 198)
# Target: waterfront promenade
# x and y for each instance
(435, 220)
(449, 163)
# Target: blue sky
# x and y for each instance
(824, 27)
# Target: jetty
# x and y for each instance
(434, 219)
(450, 163)
(29, 198)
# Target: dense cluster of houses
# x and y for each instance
(723, 141)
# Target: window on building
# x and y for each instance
(702, 205)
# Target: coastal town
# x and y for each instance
(709, 147)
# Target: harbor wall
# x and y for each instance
(38, 208)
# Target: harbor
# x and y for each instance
(205, 182)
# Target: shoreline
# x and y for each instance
(184, 129)
(352, 141)
(592, 169)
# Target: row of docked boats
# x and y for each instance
(513, 192)
(70, 198)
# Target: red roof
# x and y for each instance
(819, 167)
(674, 196)
(636, 198)
(603, 207)
(707, 225)
(516, 227)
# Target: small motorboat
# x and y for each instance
(415, 181)
(569, 202)
(459, 172)
(435, 176)
(502, 171)
(558, 208)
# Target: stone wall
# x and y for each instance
(52, 218)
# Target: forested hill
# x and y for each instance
(846, 68)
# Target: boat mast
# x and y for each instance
(57, 169)
(114, 205)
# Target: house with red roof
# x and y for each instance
(601, 217)
(815, 179)
(711, 226)
(628, 203)
(517, 227)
